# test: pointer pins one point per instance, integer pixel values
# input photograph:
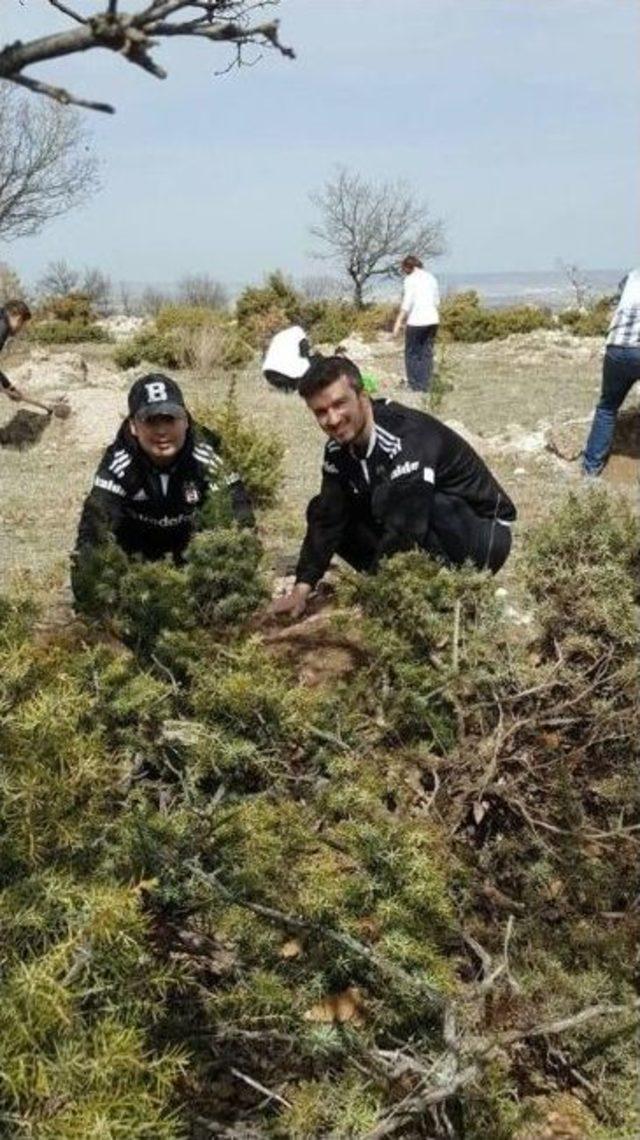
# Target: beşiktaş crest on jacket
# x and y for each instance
(151, 510)
(411, 456)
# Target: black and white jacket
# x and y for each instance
(152, 511)
(411, 456)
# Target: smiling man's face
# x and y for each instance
(341, 411)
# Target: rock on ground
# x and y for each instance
(567, 440)
(121, 327)
(355, 348)
(55, 373)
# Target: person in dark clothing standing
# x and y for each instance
(13, 316)
(419, 313)
(393, 479)
(152, 480)
(620, 371)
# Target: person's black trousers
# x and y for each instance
(456, 535)
(419, 342)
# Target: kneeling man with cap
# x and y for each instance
(393, 478)
(154, 477)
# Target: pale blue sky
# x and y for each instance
(517, 120)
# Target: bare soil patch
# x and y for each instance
(314, 648)
(24, 430)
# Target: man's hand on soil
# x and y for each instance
(294, 604)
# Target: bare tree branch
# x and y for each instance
(433, 1091)
(563, 1024)
(135, 36)
(366, 228)
(46, 167)
(60, 95)
(68, 11)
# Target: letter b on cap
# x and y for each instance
(156, 392)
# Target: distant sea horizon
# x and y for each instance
(549, 288)
(536, 287)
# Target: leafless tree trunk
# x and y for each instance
(46, 167)
(126, 300)
(97, 286)
(134, 35)
(59, 280)
(578, 281)
(153, 300)
(200, 289)
(366, 228)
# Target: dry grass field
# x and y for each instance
(504, 395)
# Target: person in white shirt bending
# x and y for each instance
(419, 310)
(287, 359)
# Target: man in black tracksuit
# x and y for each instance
(393, 479)
(152, 480)
(13, 316)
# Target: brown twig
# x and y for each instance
(134, 36)
(254, 1084)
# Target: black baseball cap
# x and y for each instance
(156, 395)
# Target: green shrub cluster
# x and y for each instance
(592, 321)
(262, 311)
(463, 318)
(147, 345)
(220, 586)
(67, 332)
(70, 307)
(257, 455)
(332, 321)
(187, 336)
(66, 320)
(351, 894)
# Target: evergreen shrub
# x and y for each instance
(386, 899)
(253, 452)
(186, 336)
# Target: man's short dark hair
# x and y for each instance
(17, 309)
(325, 370)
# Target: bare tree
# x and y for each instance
(46, 167)
(579, 282)
(152, 300)
(201, 289)
(97, 286)
(10, 284)
(126, 302)
(366, 228)
(134, 35)
(59, 280)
